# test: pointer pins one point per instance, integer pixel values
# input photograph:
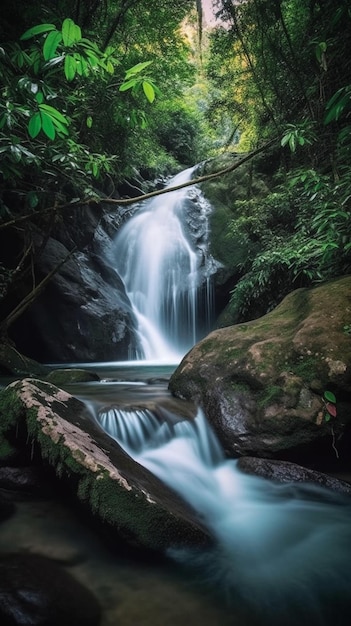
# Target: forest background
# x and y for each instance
(101, 92)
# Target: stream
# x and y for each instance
(283, 551)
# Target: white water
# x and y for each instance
(282, 550)
(164, 273)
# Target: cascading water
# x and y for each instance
(161, 255)
(282, 550)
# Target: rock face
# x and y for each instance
(262, 383)
(84, 313)
(131, 504)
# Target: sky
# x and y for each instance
(208, 12)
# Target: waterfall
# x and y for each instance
(282, 549)
(161, 254)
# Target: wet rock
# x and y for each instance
(287, 472)
(262, 383)
(35, 590)
(84, 313)
(25, 480)
(71, 375)
(129, 502)
(12, 363)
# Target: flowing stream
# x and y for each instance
(282, 550)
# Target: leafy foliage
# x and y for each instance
(294, 238)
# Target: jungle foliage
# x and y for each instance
(284, 69)
(96, 92)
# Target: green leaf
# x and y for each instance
(70, 67)
(47, 125)
(34, 126)
(37, 30)
(60, 128)
(39, 97)
(89, 121)
(32, 199)
(340, 101)
(149, 91)
(128, 85)
(136, 69)
(50, 46)
(328, 395)
(53, 113)
(292, 142)
(71, 33)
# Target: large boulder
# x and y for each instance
(131, 504)
(83, 314)
(262, 384)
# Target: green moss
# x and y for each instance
(270, 395)
(6, 450)
(241, 387)
(306, 368)
(11, 409)
(208, 345)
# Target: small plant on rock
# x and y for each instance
(329, 400)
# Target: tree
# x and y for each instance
(43, 161)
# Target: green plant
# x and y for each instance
(329, 400)
(330, 405)
(298, 135)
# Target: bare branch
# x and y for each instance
(27, 300)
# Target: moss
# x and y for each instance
(11, 409)
(305, 367)
(208, 345)
(270, 395)
(241, 387)
(6, 450)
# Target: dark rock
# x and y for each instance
(29, 480)
(84, 313)
(35, 590)
(287, 472)
(261, 383)
(12, 363)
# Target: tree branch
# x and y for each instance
(147, 196)
(27, 300)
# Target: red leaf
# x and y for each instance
(331, 408)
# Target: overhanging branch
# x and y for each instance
(147, 196)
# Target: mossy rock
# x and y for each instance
(13, 363)
(66, 376)
(262, 383)
(132, 504)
